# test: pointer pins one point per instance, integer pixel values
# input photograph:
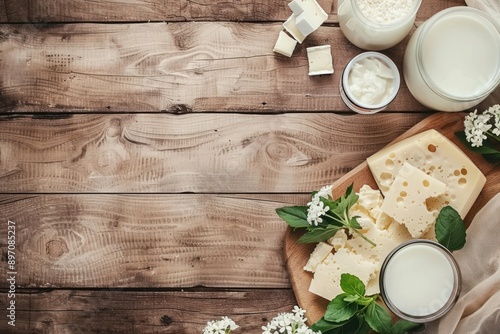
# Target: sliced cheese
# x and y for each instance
(326, 280)
(319, 253)
(437, 156)
(285, 44)
(406, 201)
(338, 240)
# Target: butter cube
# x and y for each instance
(297, 6)
(320, 60)
(309, 15)
(304, 24)
(290, 26)
(285, 44)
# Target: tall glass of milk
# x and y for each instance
(376, 24)
(452, 61)
(420, 280)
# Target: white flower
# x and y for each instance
(316, 208)
(289, 323)
(222, 326)
(476, 127)
(494, 113)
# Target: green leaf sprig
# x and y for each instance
(450, 229)
(336, 217)
(354, 313)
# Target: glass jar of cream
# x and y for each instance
(376, 24)
(369, 82)
(452, 61)
(420, 281)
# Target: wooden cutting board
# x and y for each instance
(296, 255)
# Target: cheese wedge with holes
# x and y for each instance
(408, 200)
(437, 156)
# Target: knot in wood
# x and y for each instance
(166, 320)
(56, 248)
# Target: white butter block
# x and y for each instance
(320, 60)
(304, 24)
(289, 26)
(297, 6)
(285, 44)
(437, 156)
(407, 199)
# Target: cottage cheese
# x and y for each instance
(385, 11)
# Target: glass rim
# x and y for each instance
(455, 293)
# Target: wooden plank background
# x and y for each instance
(144, 146)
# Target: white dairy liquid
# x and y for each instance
(418, 280)
(460, 59)
(460, 55)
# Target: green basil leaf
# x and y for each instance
(351, 298)
(326, 326)
(404, 326)
(295, 216)
(378, 319)
(450, 229)
(353, 222)
(487, 150)
(352, 285)
(319, 234)
(339, 310)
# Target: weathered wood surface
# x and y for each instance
(209, 153)
(152, 241)
(177, 67)
(124, 311)
(141, 161)
(170, 10)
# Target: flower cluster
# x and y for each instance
(316, 208)
(284, 323)
(289, 323)
(222, 326)
(478, 127)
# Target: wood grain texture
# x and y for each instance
(170, 10)
(123, 311)
(218, 153)
(149, 241)
(177, 68)
(297, 254)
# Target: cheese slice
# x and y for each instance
(407, 199)
(326, 280)
(437, 156)
(319, 253)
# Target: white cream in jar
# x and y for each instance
(452, 61)
(376, 24)
(420, 281)
(370, 81)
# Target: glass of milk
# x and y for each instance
(369, 82)
(420, 281)
(376, 24)
(452, 61)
